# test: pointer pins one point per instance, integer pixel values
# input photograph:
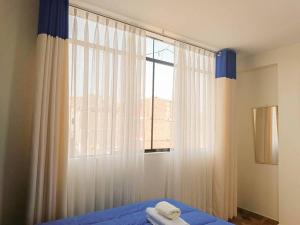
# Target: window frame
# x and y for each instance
(154, 62)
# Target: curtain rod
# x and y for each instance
(148, 30)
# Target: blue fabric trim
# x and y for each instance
(54, 18)
(226, 63)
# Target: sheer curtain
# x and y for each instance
(106, 127)
(191, 162)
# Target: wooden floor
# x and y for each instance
(248, 218)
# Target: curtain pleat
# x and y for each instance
(106, 142)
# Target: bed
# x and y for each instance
(134, 214)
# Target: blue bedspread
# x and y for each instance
(134, 214)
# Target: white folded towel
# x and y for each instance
(156, 219)
(152, 221)
(168, 210)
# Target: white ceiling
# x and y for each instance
(249, 26)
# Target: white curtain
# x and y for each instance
(106, 127)
(191, 164)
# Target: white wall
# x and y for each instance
(18, 27)
(288, 64)
(257, 183)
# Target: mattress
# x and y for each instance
(134, 214)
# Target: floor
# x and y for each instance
(248, 218)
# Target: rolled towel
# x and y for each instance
(156, 219)
(168, 210)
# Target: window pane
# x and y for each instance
(163, 88)
(163, 51)
(148, 104)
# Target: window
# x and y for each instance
(96, 119)
(101, 54)
(158, 99)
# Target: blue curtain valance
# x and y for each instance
(226, 63)
(53, 18)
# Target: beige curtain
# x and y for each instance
(224, 174)
(49, 155)
(191, 160)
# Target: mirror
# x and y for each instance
(265, 124)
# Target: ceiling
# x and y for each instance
(249, 26)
